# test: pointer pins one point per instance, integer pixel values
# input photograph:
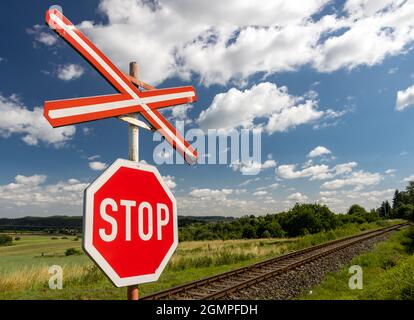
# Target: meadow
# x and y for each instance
(24, 265)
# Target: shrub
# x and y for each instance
(73, 252)
(5, 240)
(17, 238)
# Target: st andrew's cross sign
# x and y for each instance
(129, 100)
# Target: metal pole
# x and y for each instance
(133, 131)
(133, 155)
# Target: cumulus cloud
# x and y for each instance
(409, 179)
(221, 42)
(314, 172)
(69, 72)
(260, 193)
(97, 165)
(263, 105)
(211, 194)
(319, 151)
(298, 197)
(252, 167)
(17, 119)
(405, 99)
(359, 180)
(170, 181)
(32, 191)
(42, 35)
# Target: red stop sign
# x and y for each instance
(130, 223)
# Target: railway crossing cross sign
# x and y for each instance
(131, 228)
(128, 100)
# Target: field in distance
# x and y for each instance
(24, 265)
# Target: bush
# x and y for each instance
(73, 252)
(17, 238)
(5, 240)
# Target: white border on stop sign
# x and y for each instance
(88, 224)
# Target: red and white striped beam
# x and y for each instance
(128, 100)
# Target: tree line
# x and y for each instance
(302, 219)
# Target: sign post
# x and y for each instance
(133, 155)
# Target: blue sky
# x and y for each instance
(333, 75)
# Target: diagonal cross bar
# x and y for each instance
(128, 100)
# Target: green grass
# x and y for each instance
(24, 272)
(388, 273)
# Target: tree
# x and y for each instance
(385, 210)
(248, 232)
(396, 200)
(405, 211)
(410, 192)
(5, 240)
(357, 209)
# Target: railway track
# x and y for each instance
(222, 285)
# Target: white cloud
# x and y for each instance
(180, 113)
(211, 194)
(252, 167)
(18, 119)
(170, 181)
(392, 70)
(97, 165)
(69, 72)
(405, 99)
(263, 105)
(32, 191)
(328, 193)
(359, 180)
(314, 172)
(260, 193)
(298, 197)
(95, 157)
(47, 38)
(409, 179)
(319, 151)
(391, 172)
(222, 42)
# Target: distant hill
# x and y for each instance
(75, 223)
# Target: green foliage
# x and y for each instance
(301, 220)
(357, 209)
(403, 203)
(72, 252)
(5, 240)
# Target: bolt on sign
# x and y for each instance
(130, 214)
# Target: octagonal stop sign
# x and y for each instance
(130, 223)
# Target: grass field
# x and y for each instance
(24, 265)
(388, 273)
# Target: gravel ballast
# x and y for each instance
(300, 280)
